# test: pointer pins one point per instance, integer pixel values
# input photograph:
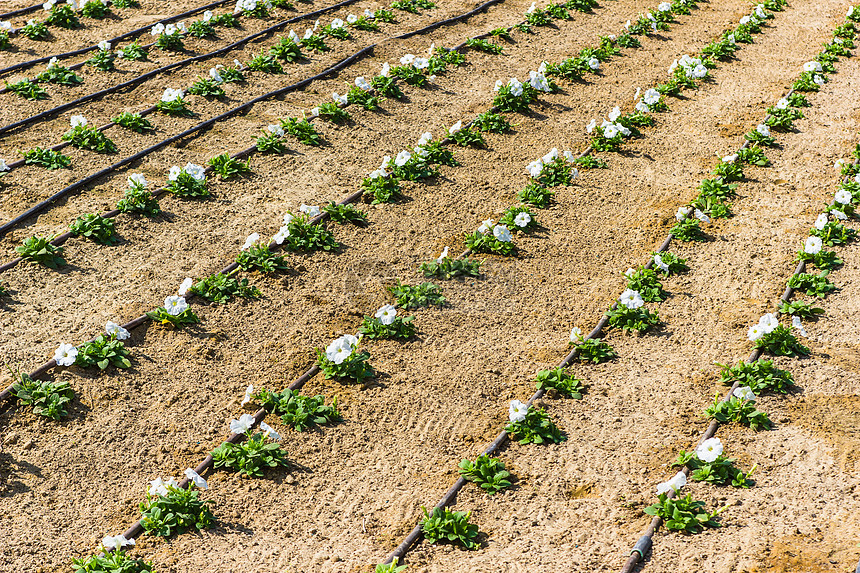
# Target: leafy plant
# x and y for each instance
(479, 242)
(161, 316)
(484, 46)
(683, 514)
(466, 137)
(95, 9)
(538, 17)
(34, 31)
(250, 457)
(353, 367)
(806, 82)
(383, 15)
(114, 562)
(491, 122)
(535, 428)
(138, 200)
(595, 350)
(358, 96)
(176, 512)
(102, 352)
(40, 250)
(729, 171)
(95, 227)
(177, 107)
(306, 236)
(333, 113)
(536, 195)
(227, 20)
(448, 268)
(201, 29)
(674, 263)
(286, 50)
(509, 219)
(231, 75)
(813, 285)
(781, 342)
(28, 89)
(800, 309)
(187, 186)
(220, 288)
(103, 60)
(753, 155)
(133, 52)
(559, 379)
(688, 230)
(782, 119)
(444, 524)
(57, 74)
(340, 33)
(345, 214)
(645, 282)
(46, 398)
(590, 162)
(270, 143)
(721, 471)
(89, 137)
(315, 43)
(386, 86)
(797, 99)
(639, 319)
(302, 130)
(401, 328)
(362, 23)
(260, 257)
(63, 16)
(834, 233)
(133, 121)
(738, 410)
(602, 143)
(760, 376)
(228, 167)
(506, 100)
(169, 42)
(300, 412)
(489, 473)
(381, 189)
(418, 296)
(206, 87)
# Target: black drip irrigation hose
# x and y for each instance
(38, 208)
(111, 40)
(136, 80)
(6, 394)
(20, 11)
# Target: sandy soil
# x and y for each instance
(357, 488)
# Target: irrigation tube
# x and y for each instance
(6, 227)
(20, 11)
(47, 113)
(111, 40)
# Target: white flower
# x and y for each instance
(336, 23)
(516, 87)
(340, 349)
(763, 130)
(159, 486)
(455, 128)
(744, 393)
(116, 542)
(575, 334)
(420, 63)
(812, 245)
(755, 332)
(104, 45)
(386, 70)
(248, 392)
(407, 59)
(532, 8)
(700, 71)
(594, 64)
(310, 210)
(171, 95)
(252, 238)
(6, 25)
(443, 255)
(610, 131)
(629, 273)
(315, 112)
(3, 166)
(281, 235)
(174, 173)
(198, 172)
(744, 21)
(517, 411)
(539, 82)
(486, 226)
(352, 18)
(676, 483)
(701, 216)
(402, 158)
(386, 314)
(238, 64)
(288, 217)
(362, 83)
(185, 286)
(425, 138)
(339, 99)
(293, 37)
(658, 262)
(624, 131)
(522, 220)
(820, 222)
(216, 75)
(795, 322)
(270, 431)
(207, 15)
(242, 425)
(615, 113)
(759, 11)
(664, 7)
(368, 13)
(818, 79)
(113, 329)
(843, 196)
(275, 130)
(196, 479)
(782, 103)
(591, 125)
(308, 33)
(568, 156)
(768, 323)
(157, 30)
(837, 214)
(709, 450)
(730, 158)
(66, 354)
(170, 30)
(631, 299)
(502, 233)
(643, 107)
(180, 27)
(651, 96)
(812, 67)
(498, 85)
(77, 120)
(175, 305)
